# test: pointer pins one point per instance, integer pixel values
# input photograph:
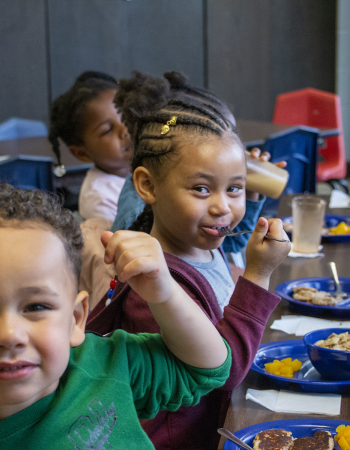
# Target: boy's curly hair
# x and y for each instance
(19, 205)
(67, 111)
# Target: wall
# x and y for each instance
(246, 51)
(24, 87)
(120, 36)
(343, 67)
(258, 49)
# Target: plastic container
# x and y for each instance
(308, 217)
(265, 178)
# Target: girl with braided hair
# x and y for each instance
(86, 120)
(131, 205)
(189, 168)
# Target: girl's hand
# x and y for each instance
(263, 255)
(139, 260)
(265, 156)
(255, 153)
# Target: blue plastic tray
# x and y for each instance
(340, 311)
(298, 427)
(330, 220)
(307, 379)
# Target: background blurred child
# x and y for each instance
(86, 120)
(189, 167)
(61, 389)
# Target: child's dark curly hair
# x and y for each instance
(67, 118)
(18, 206)
(147, 103)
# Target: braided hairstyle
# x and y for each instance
(19, 206)
(147, 103)
(67, 111)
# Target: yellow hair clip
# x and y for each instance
(166, 127)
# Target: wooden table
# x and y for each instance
(243, 413)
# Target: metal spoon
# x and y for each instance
(228, 435)
(338, 291)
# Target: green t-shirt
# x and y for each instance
(108, 385)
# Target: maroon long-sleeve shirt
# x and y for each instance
(242, 325)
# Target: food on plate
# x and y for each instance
(343, 437)
(273, 439)
(276, 439)
(315, 297)
(321, 440)
(341, 228)
(286, 367)
(336, 342)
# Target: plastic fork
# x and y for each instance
(225, 231)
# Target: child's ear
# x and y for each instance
(81, 310)
(80, 153)
(144, 184)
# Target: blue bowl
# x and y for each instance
(331, 364)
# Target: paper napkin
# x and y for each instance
(339, 199)
(295, 402)
(300, 325)
(294, 254)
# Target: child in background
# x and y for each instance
(62, 389)
(86, 120)
(189, 167)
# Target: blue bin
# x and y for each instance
(28, 172)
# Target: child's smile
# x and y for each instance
(37, 323)
(203, 191)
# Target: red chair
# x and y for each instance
(316, 108)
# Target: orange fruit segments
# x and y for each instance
(285, 368)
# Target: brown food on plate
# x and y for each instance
(276, 439)
(273, 439)
(314, 296)
(321, 440)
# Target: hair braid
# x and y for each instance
(144, 222)
(147, 103)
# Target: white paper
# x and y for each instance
(339, 199)
(300, 325)
(294, 254)
(295, 402)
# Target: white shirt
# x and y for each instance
(99, 194)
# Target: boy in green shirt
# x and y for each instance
(62, 389)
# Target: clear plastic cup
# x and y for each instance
(308, 217)
(265, 178)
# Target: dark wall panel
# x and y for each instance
(23, 71)
(257, 50)
(117, 36)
